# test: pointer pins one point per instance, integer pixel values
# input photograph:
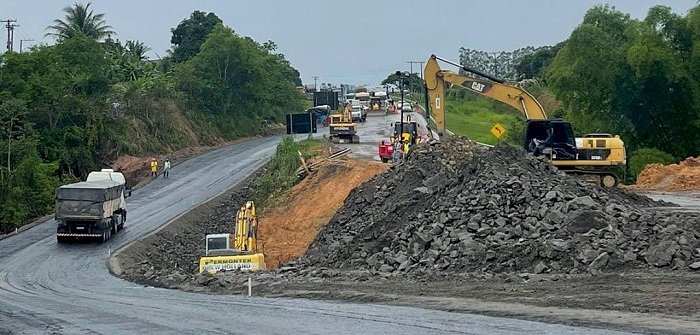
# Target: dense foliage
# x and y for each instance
(636, 78)
(644, 156)
(503, 64)
(639, 79)
(71, 107)
(191, 33)
(412, 82)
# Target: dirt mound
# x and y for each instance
(454, 207)
(287, 230)
(684, 176)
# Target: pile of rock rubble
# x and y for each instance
(455, 207)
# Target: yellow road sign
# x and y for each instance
(498, 130)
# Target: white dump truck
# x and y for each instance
(93, 209)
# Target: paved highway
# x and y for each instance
(376, 130)
(46, 288)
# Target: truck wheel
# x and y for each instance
(116, 223)
(385, 160)
(106, 234)
(62, 239)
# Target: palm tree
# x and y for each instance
(80, 20)
(137, 49)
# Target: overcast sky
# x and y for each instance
(356, 41)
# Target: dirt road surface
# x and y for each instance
(688, 201)
(46, 288)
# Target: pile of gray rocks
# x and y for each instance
(454, 207)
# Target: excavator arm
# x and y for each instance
(246, 230)
(494, 88)
(584, 156)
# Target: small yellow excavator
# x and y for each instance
(237, 251)
(587, 156)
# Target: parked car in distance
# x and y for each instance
(359, 113)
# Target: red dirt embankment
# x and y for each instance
(287, 230)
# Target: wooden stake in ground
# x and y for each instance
(303, 163)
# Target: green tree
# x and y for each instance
(532, 66)
(137, 49)
(239, 82)
(80, 20)
(65, 88)
(632, 77)
(13, 116)
(413, 81)
(189, 35)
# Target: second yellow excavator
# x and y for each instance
(587, 156)
(237, 251)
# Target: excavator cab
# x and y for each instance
(554, 138)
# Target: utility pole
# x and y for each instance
(315, 78)
(23, 40)
(420, 63)
(10, 25)
(410, 74)
(400, 75)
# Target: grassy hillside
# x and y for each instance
(473, 116)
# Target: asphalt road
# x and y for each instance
(376, 129)
(686, 201)
(46, 288)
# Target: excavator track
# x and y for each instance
(601, 178)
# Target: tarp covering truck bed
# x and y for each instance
(88, 200)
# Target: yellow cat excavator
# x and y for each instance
(587, 156)
(237, 251)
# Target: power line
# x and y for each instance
(10, 25)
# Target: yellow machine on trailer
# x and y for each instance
(237, 251)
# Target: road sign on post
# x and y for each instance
(498, 130)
